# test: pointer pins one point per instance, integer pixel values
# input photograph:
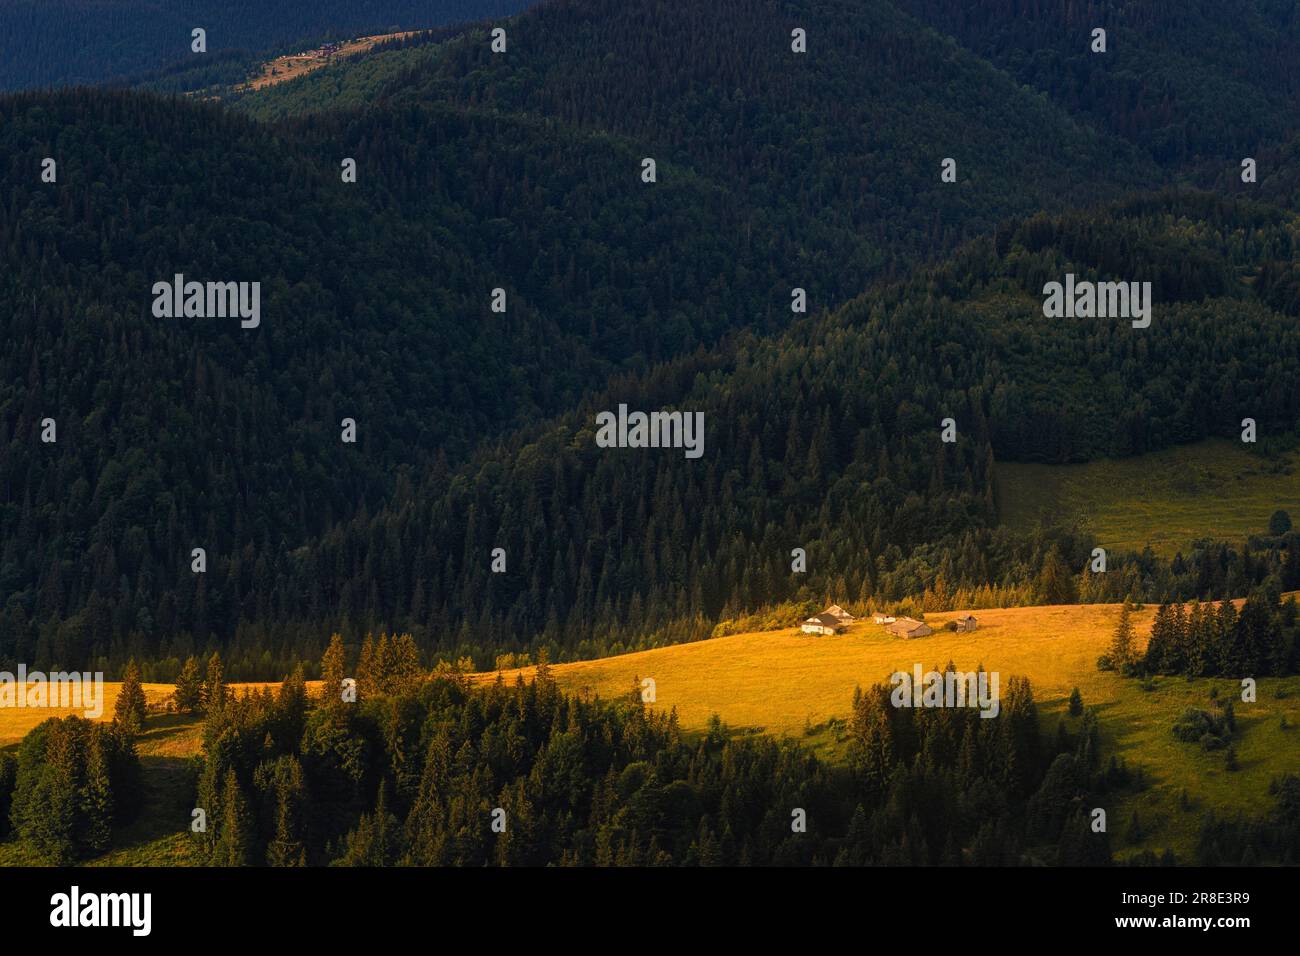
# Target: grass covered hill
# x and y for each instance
(1168, 500)
(800, 686)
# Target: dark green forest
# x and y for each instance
(475, 428)
(65, 42)
(1169, 65)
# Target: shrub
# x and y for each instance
(1199, 726)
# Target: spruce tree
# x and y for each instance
(291, 709)
(1121, 646)
(97, 794)
(369, 673)
(189, 687)
(1176, 651)
(405, 655)
(288, 848)
(129, 711)
(47, 792)
(1224, 635)
(332, 673)
(1055, 582)
(235, 843)
(214, 687)
(1158, 647)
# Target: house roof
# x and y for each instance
(828, 620)
(907, 624)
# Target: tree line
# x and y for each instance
(416, 771)
(1208, 640)
(74, 780)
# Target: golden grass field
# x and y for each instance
(292, 66)
(792, 684)
(781, 681)
(795, 685)
(1166, 499)
(15, 722)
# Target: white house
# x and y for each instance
(823, 624)
(883, 619)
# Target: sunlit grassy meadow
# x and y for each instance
(1166, 499)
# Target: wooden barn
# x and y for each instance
(837, 612)
(909, 627)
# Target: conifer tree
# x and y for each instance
(188, 696)
(405, 656)
(1205, 642)
(1121, 646)
(291, 709)
(46, 795)
(288, 848)
(214, 687)
(332, 674)
(1158, 646)
(235, 843)
(97, 793)
(1176, 651)
(129, 711)
(1224, 636)
(1055, 582)
(369, 672)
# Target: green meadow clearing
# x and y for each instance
(1166, 499)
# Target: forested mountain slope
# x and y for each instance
(376, 306)
(1181, 79)
(825, 437)
(840, 147)
(828, 439)
(521, 171)
(64, 42)
(182, 433)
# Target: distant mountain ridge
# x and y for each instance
(69, 42)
